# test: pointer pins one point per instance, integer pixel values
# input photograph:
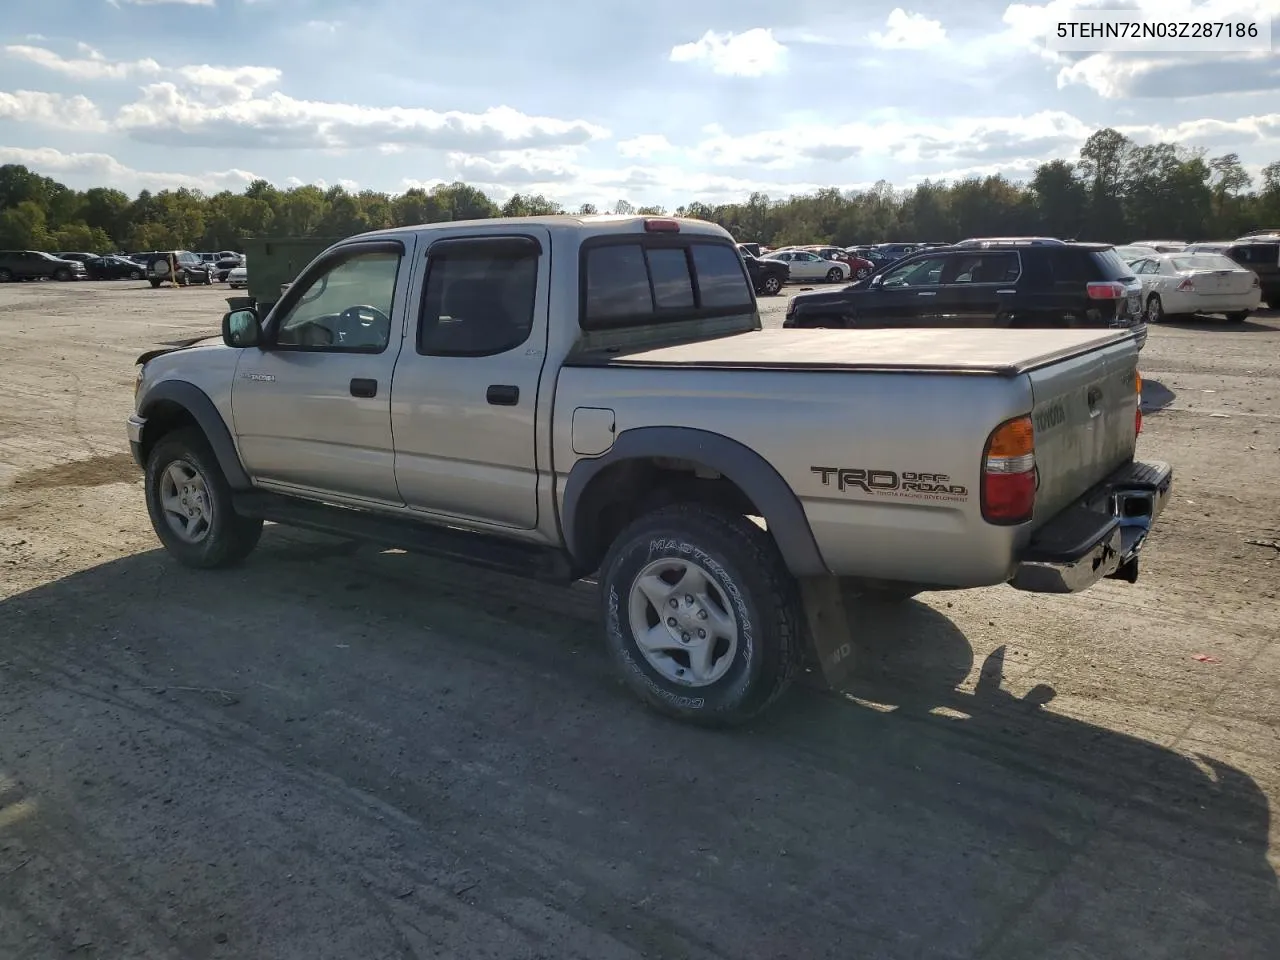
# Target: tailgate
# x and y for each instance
(1084, 412)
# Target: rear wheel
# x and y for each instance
(155, 284)
(135, 274)
(835, 275)
(1239, 317)
(701, 614)
(6, 276)
(62, 274)
(190, 504)
(1155, 309)
(771, 285)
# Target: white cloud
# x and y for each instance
(951, 142)
(909, 31)
(51, 110)
(158, 3)
(644, 145)
(100, 169)
(754, 53)
(324, 26)
(92, 66)
(171, 116)
(229, 84)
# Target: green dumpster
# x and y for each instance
(274, 262)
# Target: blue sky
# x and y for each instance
(659, 102)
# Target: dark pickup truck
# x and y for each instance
(1019, 284)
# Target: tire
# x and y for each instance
(155, 284)
(62, 274)
(771, 286)
(863, 273)
(6, 276)
(224, 538)
(136, 275)
(208, 279)
(1239, 317)
(1155, 309)
(741, 584)
(835, 275)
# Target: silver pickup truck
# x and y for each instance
(575, 397)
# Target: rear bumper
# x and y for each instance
(1100, 535)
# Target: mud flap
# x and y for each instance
(831, 642)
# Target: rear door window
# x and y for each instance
(635, 283)
(1256, 254)
(983, 268)
(1110, 264)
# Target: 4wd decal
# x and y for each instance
(890, 483)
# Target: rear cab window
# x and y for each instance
(636, 281)
(1109, 265)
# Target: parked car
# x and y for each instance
(621, 414)
(1129, 252)
(113, 268)
(859, 267)
(896, 251)
(224, 265)
(37, 265)
(767, 275)
(1182, 284)
(1162, 246)
(181, 267)
(877, 258)
(804, 265)
(1019, 284)
(238, 278)
(1005, 241)
(1212, 246)
(143, 257)
(80, 257)
(1261, 254)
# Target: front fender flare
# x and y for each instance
(197, 403)
(755, 476)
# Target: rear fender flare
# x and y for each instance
(197, 403)
(755, 476)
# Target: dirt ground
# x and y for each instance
(337, 752)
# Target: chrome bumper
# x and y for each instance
(1100, 535)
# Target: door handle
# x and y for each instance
(503, 394)
(1095, 398)
(364, 388)
(927, 293)
(1006, 291)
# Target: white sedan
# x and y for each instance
(238, 278)
(809, 266)
(1175, 284)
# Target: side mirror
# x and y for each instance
(241, 328)
(876, 281)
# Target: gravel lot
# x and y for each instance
(336, 752)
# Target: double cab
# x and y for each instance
(594, 397)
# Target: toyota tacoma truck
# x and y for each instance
(595, 397)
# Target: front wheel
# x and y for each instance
(835, 275)
(701, 614)
(190, 505)
(864, 273)
(155, 284)
(771, 285)
(136, 275)
(1155, 309)
(62, 275)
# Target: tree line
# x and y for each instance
(1114, 191)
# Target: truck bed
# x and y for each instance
(991, 352)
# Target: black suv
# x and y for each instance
(767, 276)
(998, 283)
(35, 265)
(182, 267)
(1261, 254)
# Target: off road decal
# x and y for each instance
(892, 484)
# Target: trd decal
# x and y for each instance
(889, 483)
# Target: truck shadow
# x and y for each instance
(1155, 396)
(898, 816)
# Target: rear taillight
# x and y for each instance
(1107, 291)
(1009, 473)
(1137, 417)
(1187, 286)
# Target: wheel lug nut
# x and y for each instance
(671, 621)
(702, 634)
(684, 637)
(702, 614)
(674, 603)
(688, 599)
